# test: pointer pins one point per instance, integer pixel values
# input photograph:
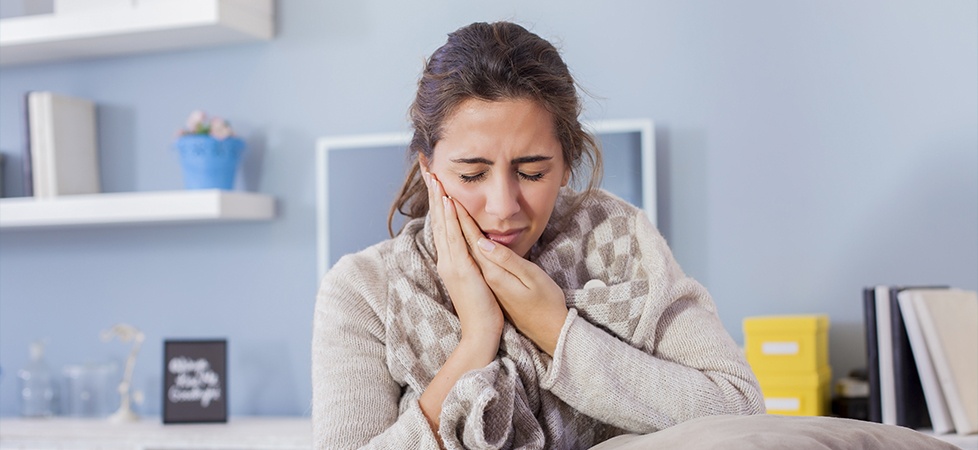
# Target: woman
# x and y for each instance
(512, 311)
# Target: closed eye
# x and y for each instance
(531, 177)
(471, 178)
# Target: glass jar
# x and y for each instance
(90, 389)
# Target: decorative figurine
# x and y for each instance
(126, 333)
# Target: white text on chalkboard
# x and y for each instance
(195, 381)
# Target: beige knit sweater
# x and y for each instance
(640, 352)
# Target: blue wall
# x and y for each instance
(806, 149)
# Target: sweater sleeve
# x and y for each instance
(487, 409)
(680, 364)
(355, 399)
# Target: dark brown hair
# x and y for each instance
(492, 62)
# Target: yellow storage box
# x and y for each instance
(787, 343)
(793, 394)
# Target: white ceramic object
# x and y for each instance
(126, 333)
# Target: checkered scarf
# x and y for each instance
(502, 405)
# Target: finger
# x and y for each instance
(507, 260)
(453, 232)
(470, 229)
(436, 208)
(471, 233)
(506, 264)
(426, 177)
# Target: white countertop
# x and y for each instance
(151, 433)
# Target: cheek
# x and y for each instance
(472, 203)
(470, 197)
(541, 200)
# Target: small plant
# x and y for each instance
(199, 124)
(209, 152)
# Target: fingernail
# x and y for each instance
(486, 244)
(447, 201)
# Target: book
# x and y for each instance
(940, 415)
(63, 147)
(911, 408)
(884, 337)
(872, 355)
(26, 161)
(949, 320)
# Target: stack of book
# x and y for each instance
(922, 363)
(790, 357)
(62, 152)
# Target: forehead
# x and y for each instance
(498, 128)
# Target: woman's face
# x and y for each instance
(502, 161)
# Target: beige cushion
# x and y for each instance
(778, 432)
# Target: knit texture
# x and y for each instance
(640, 352)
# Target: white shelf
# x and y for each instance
(266, 433)
(154, 25)
(135, 208)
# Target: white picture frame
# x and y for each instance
(347, 163)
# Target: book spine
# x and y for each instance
(872, 354)
(39, 115)
(26, 163)
(909, 395)
(936, 406)
(884, 338)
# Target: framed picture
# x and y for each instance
(195, 381)
(358, 176)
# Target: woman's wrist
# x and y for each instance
(471, 353)
(546, 333)
(478, 349)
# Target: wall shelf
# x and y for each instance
(189, 206)
(154, 25)
(245, 432)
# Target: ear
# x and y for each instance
(423, 162)
(567, 174)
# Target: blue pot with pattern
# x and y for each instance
(207, 162)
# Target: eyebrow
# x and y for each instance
(520, 160)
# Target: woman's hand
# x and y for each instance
(478, 312)
(530, 298)
(476, 306)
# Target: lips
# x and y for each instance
(503, 237)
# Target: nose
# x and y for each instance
(503, 198)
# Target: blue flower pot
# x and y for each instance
(209, 163)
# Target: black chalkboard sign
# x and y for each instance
(195, 381)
